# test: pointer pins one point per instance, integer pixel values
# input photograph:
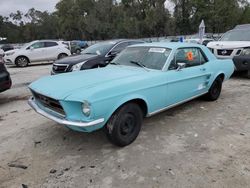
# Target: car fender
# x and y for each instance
(21, 55)
(123, 101)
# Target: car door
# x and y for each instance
(51, 50)
(35, 52)
(189, 81)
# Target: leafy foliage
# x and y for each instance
(105, 19)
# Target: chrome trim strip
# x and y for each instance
(173, 105)
(60, 65)
(62, 121)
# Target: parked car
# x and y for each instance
(171, 39)
(195, 39)
(234, 44)
(141, 81)
(7, 47)
(75, 48)
(97, 55)
(81, 43)
(5, 80)
(42, 50)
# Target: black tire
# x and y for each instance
(78, 51)
(215, 90)
(248, 74)
(22, 61)
(124, 125)
(60, 56)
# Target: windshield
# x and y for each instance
(147, 57)
(27, 45)
(100, 48)
(236, 35)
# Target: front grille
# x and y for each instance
(225, 52)
(238, 52)
(49, 103)
(59, 68)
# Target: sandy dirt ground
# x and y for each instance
(198, 144)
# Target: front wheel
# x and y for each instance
(22, 61)
(60, 56)
(124, 125)
(215, 90)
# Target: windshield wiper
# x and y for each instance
(139, 64)
(114, 63)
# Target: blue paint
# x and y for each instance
(106, 89)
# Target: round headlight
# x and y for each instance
(86, 108)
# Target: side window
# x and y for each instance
(190, 56)
(37, 45)
(50, 44)
(120, 47)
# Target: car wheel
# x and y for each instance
(215, 90)
(78, 51)
(124, 125)
(60, 56)
(248, 74)
(22, 62)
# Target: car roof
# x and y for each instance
(171, 45)
(44, 40)
(122, 40)
(243, 26)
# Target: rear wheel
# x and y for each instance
(22, 61)
(124, 125)
(78, 51)
(60, 56)
(215, 90)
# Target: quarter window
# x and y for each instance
(50, 44)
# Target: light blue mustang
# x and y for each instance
(143, 80)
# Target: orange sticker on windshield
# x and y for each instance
(190, 56)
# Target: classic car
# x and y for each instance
(141, 81)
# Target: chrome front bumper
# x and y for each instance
(62, 121)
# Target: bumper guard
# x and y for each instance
(62, 121)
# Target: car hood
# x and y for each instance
(228, 44)
(76, 59)
(10, 51)
(63, 85)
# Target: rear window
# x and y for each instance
(50, 44)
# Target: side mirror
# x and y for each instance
(31, 48)
(113, 53)
(180, 66)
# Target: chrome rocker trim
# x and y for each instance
(174, 105)
(32, 103)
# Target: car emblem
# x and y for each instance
(55, 67)
(224, 52)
